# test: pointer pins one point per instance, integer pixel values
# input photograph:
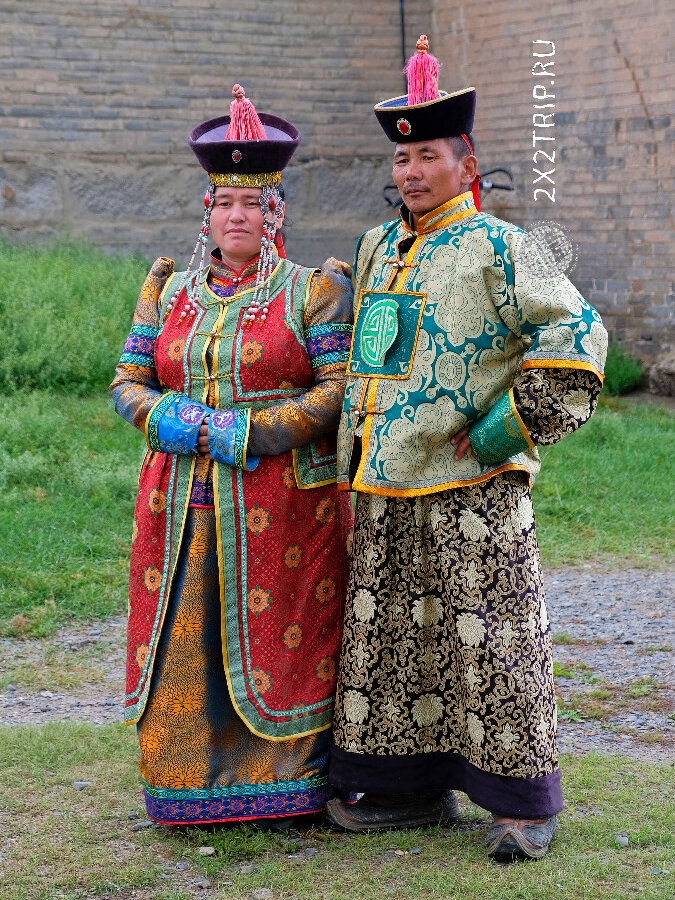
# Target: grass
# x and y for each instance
(605, 492)
(68, 469)
(68, 844)
(80, 304)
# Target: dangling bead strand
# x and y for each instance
(271, 205)
(190, 281)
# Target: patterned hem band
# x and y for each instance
(232, 179)
(191, 808)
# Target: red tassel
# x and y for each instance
(422, 73)
(475, 192)
(244, 122)
(279, 244)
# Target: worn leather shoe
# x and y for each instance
(411, 811)
(516, 839)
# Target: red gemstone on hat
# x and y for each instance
(404, 126)
(236, 155)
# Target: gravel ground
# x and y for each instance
(617, 627)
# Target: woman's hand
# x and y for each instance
(203, 439)
(459, 441)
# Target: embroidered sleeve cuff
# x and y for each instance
(228, 437)
(500, 434)
(173, 424)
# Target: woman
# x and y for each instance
(238, 567)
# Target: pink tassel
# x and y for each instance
(422, 72)
(244, 122)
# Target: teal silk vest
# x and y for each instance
(440, 333)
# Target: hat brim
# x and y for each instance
(450, 115)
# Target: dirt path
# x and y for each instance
(614, 637)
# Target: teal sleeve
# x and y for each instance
(500, 434)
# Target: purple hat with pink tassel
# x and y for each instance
(244, 149)
(425, 112)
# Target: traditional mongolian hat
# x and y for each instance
(243, 149)
(425, 112)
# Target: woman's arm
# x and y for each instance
(135, 387)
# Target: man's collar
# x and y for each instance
(459, 207)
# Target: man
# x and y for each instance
(464, 359)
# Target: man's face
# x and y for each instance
(237, 224)
(428, 174)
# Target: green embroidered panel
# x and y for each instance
(385, 333)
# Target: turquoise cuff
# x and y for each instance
(228, 436)
(173, 424)
(500, 434)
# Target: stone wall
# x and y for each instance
(614, 83)
(97, 97)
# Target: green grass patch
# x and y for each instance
(606, 491)
(623, 372)
(562, 637)
(63, 844)
(65, 311)
(68, 472)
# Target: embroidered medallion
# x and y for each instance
(404, 126)
(379, 331)
(236, 156)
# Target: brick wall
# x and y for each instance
(97, 98)
(613, 85)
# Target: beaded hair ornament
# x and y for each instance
(245, 125)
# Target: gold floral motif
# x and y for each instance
(471, 629)
(258, 600)
(507, 737)
(364, 605)
(475, 728)
(293, 556)
(292, 637)
(325, 590)
(507, 634)
(157, 501)
(325, 511)
(262, 681)
(427, 709)
(174, 351)
(152, 578)
(325, 669)
(356, 706)
(141, 655)
(258, 520)
(472, 526)
(251, 352)
(427, 611)
(288, 477)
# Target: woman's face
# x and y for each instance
(237, 224)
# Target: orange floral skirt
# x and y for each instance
(199, 761)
